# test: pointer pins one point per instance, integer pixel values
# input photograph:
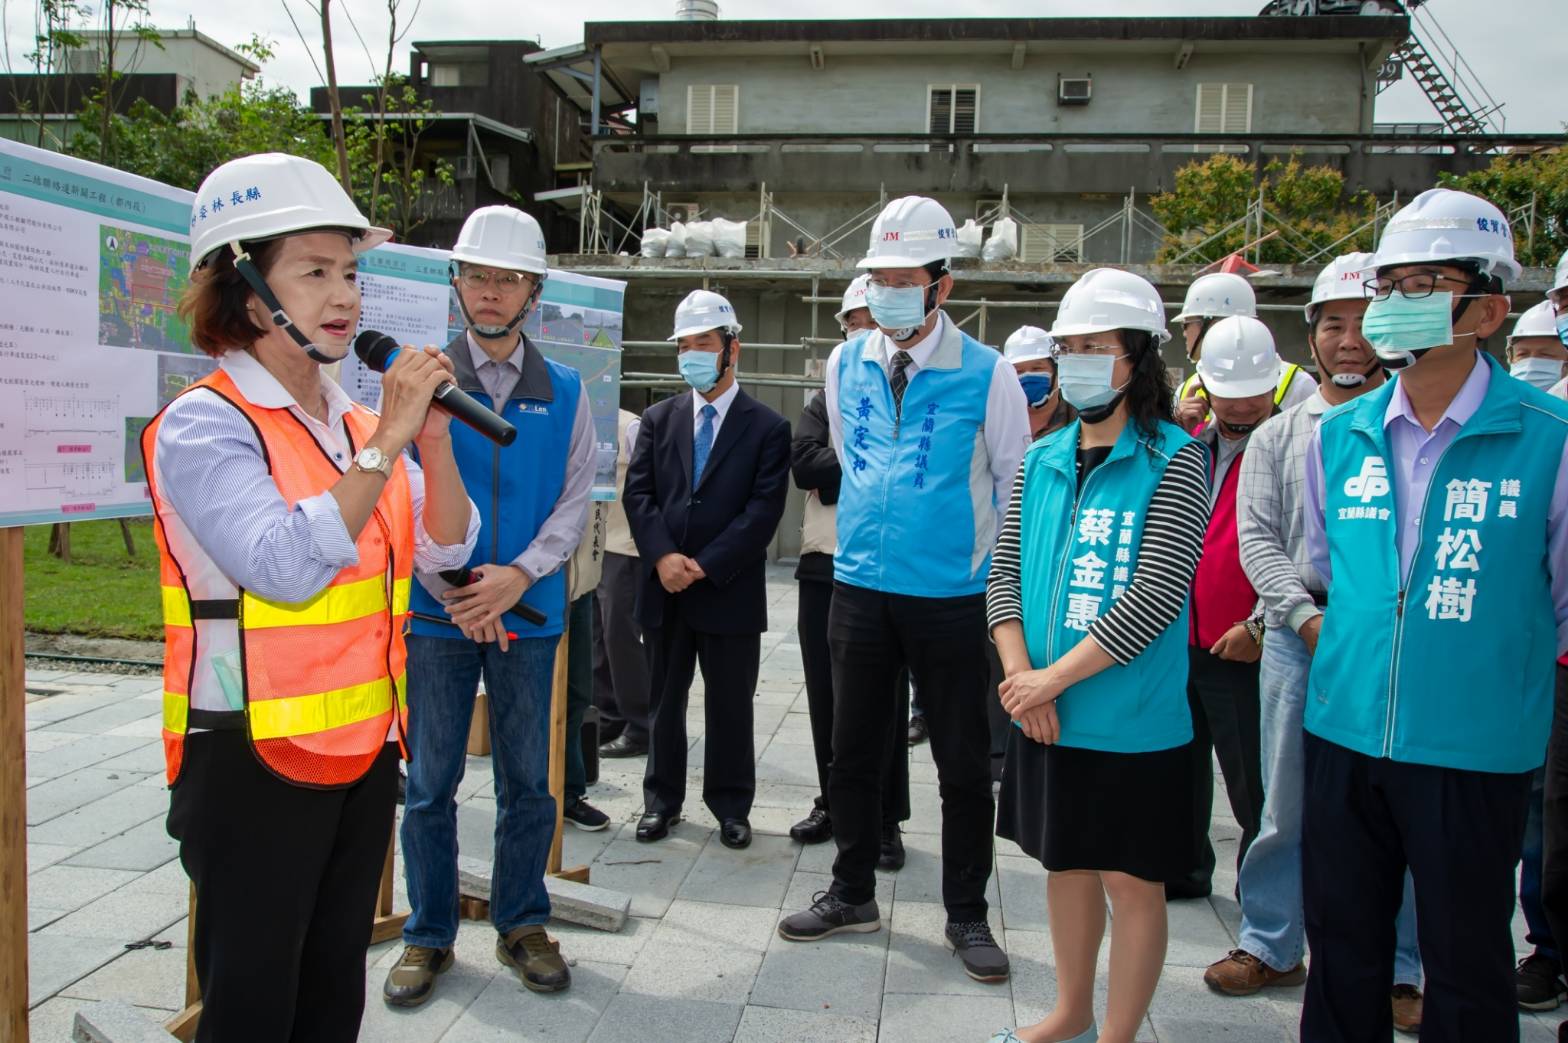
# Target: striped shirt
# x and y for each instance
(1167, 559)
(1269, 520)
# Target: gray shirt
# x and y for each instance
(497, 378)
(1269, 519)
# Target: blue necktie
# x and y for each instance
(703, 445)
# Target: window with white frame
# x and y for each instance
(1224, 108)
(712, 109)
(953, 108)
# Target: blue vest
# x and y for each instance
(1077, 554)
(1452, 665)
(515, 489)
(916, 507)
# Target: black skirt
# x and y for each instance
(1073, 808)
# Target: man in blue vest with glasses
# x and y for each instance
(1436, 510)
(930, 426)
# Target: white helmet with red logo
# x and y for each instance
(911, 232)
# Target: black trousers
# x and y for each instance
(1223, 697)
(729, 680)
(1554, 817)
(941, 642)
(811, 622)
(286, 882)
(622, 686)
(1460, 833)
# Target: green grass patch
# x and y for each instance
(101, 593)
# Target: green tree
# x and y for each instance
(394, 181)
(1220, 204)
(1532, 189)
(56, 29)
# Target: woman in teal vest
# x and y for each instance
(1087, 605)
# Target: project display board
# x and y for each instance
(577, 322)
(92, 265)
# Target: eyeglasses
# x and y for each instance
(478, 279)
(1092, 350)
(1414, 286)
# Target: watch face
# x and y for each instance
(371, 459)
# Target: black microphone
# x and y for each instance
(378, 351)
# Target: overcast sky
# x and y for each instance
(1514, 46)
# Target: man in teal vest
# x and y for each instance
(1435, 512)
(930, 426)
(533, 505)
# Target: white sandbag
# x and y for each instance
(969, 239)
(729, 237)
(699, 239)
(675, 246)
(654, 242)
(1003, 244)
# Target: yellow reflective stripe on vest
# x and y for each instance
(307, 714)
(1290, 371)
(176, 708)
(176, 607)
(336, 604)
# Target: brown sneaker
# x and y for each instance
(536, 957)
(1407, 1009)
(1241, 974)
(413, 977)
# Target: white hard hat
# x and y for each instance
(502, 237)
(701, 311)
(1028, 343)
(910, 233)
(1560, 280)
(1239, 359)
(854, 296)
(1217, 295)
(1339, 280)
(1442, 224)
(1110, 299)
(270, 195)
(1539, 321)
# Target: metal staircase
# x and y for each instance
(1465, 106)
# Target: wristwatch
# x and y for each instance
(371, 459)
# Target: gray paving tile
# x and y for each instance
(143, 847)
(703, 951)
(1197, 937)
(57, 795)
(71, 887)
(843, 974)
(926, 1018)
(650, 873)
(619, 948)
(921, 878)
(127, 915)
(757, 875)
(761, 1024)
(106, 817)
(55, 961)
(150, 977)
(639, 1017)
(1021, 883)
(472, 972)
(505, 1011)
(41, 856)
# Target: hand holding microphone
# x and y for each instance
(414, 380)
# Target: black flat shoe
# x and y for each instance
(813, 829)
(919, 731)
(655, 825)
(621, 746)
(735, 832)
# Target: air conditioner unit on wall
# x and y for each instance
(1073, 90)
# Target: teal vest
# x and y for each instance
(916, 508)
(1077, 554)
(1454, 664)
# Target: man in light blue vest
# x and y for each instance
(533, 505)
(930, 426)
(1436, 510)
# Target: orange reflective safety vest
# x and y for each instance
(319, 678)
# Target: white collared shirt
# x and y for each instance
(721, 404)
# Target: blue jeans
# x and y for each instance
(1270, 880)
(443, 676)
(1540, 931)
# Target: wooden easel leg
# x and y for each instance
(558, 741)
(387, 925)
(183, 1025)
(13, 794)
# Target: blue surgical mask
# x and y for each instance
(1541, 373)
(700, 369)
(1086, 380)
(1562, 326)
(1037, 388)
(897, 308)
(1401, 329)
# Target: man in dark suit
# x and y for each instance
(704, 494)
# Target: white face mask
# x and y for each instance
(1085, 380)
(1541, 373)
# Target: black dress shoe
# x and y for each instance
(735, 832)
(621, 746)
(813, 829)
(655, 825)
(891, 857)
(918, 730)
